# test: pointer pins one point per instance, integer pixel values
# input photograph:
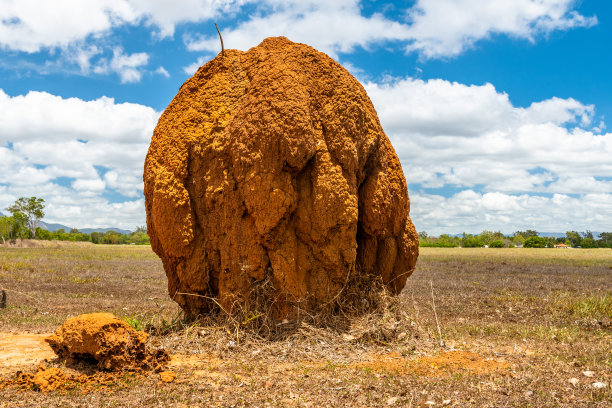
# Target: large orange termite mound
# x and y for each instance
(272, 164)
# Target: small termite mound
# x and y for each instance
(108, 340)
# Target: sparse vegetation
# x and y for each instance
(527, 239)
(522, 322)
(137, 237)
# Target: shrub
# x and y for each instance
(535, 242)
(588, 243)
(496, 244)
(472, 243)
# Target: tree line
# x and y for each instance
(26, 214)
(526, 239)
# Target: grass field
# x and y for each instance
(519, 327)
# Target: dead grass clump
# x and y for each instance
(364, 311)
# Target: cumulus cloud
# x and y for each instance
(442, 28)
(73, 153)
(471, 212)
(40, 116)
(162, 71)
(30, 25)
(84, 31)
(315, 22)
(193, 67)
(127, 66)
(513, 167)
(433, 28)
(506, 158)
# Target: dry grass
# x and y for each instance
(528, 256)
(524, 323)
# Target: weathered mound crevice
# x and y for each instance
(271, 164)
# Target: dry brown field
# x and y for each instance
(510, 328)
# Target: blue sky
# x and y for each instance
(497, 110)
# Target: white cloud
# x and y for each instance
(83, 31)
(166, 14)
(315, 22)
(40, 116)
(30, 25)
(89, 186)
(98, 146)
(472, 137)
(127, 183)
(472, 212)
(162, 71)
(442, 28)
(434, 28)
(127, 66)
(193, 67)
(446, 134)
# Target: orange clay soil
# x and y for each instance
(444, 364)
(272, 164)
(47, 379)
(22, 351)
(112, 343)
(107, 339)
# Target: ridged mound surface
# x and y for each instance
(272, 164)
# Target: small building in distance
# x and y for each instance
(561, 246)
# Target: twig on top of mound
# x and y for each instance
(221, 38)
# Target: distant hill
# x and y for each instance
(552, 234)
(55, 227)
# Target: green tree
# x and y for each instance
(138, 238)
(496, 244)
(574, 238)
(18, 226)
(486, 237)
(6, 227)
(43, 234)
(527, 234)
(605, 240)
(518, 239)
(32, 209)
(470, 241)
(535, 242)
(588, 243)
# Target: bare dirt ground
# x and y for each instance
(519, 327)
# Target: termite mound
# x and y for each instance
(106, 339)
(271, 165)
